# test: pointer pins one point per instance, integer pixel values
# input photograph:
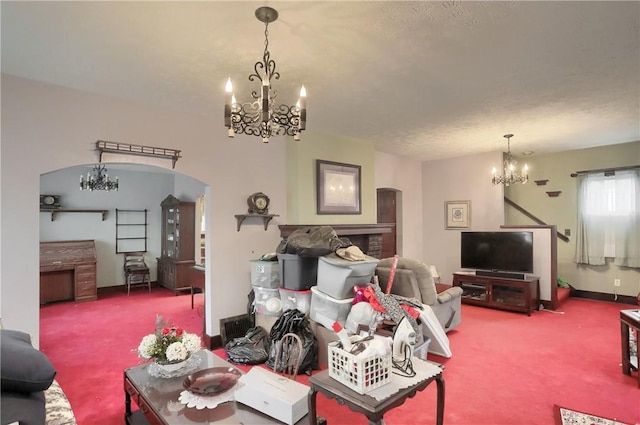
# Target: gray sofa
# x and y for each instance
(30, 395)
(413, 279)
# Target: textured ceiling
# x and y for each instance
(424, 79)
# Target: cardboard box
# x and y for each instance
(274, 395)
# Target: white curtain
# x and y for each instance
(609, 219)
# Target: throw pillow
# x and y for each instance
(23, 368)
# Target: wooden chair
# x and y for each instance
(289, 354)
(135, 270)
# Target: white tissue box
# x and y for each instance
(275, 395)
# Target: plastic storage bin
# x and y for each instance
(326, 310)
(297, 272)
(360, 374)
(420, 351)
(267, 301)
(295, 299)
(265, 274)
(337, 276)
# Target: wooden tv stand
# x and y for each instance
(522, 295)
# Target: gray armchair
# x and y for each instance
(413, 279)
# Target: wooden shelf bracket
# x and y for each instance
(129, 149)
(266, 218)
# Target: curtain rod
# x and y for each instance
(605, 170)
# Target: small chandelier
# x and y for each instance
(99, 180)
(510, 176)
(263, 117)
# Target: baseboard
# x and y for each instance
(107, 290)
(600, 296)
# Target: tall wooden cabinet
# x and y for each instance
(177, 251)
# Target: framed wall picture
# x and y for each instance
(457, 214)
(337, 188)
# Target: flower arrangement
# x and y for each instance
(169, 344)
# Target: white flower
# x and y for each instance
(191, 342)
(176, 351)
(145, 349)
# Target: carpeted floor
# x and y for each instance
(507, 368)
(566, 416)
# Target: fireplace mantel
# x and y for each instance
(368, 237)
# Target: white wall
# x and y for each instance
(404, 175)
(46, 127)
(458, 179)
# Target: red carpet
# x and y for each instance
(507, 368)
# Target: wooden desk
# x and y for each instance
(629, 319)
(68, 271)
(369, 406)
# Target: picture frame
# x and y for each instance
(457, 214)
(338, 188)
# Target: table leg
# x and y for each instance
(624, 339)
(311, 401)
(127, 406)
(440, 406)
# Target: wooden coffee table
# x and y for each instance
(157, 399)
(369, 406)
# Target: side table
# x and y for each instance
(629, 319)
(371, 407)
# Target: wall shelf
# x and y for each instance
(65, 210)
(129, 149)
(266, 218)
(131, 231)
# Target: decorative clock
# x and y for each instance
(49, 202)
(258, 203)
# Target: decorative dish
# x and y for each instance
(211, 381)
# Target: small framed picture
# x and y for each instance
(457, 214)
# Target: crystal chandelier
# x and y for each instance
(510, 175)
(99, 180)
(263, 117)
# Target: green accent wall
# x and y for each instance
(301, 177)
(562, 210)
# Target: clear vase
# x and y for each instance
(172, 367)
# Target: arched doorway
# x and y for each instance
(141, 187)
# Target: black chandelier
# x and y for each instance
(263, 117)
(99, 180)
(510, 174)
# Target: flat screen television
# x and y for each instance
(497, 251)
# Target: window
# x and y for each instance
(609, 218)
